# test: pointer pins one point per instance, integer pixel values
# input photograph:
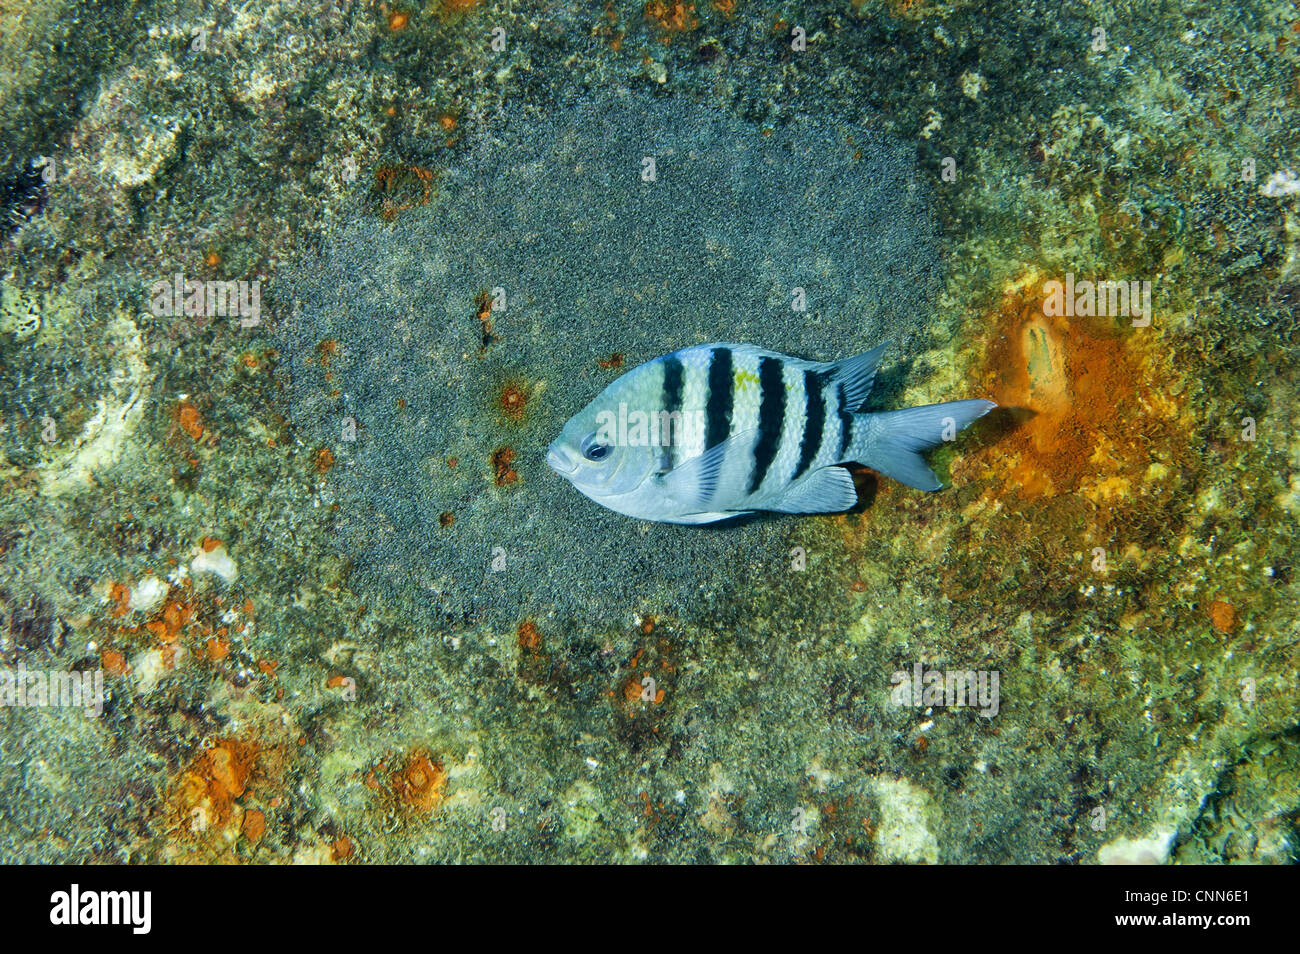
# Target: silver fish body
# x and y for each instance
(718, 430)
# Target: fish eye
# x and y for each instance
(594, 450)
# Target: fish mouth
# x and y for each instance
(560, 461)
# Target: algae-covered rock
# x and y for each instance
(343, 613)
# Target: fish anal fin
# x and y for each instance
(710, 517)
(829, 490)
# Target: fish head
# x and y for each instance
(594, 453)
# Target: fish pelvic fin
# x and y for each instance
(891, 442)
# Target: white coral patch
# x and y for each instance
(117, 414)
(216, 562)
(905, 830)
(1137, 851)
(148, 594)
(1281, 184)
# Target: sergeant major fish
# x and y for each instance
(719, 430)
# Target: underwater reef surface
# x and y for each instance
(248, 525)
(451, 344)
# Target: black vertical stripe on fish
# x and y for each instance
(673, 380)
(720, 399)
(771, 418)
(846, 422)
(674, 377)
(814, 422)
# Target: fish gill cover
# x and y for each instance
(433, 356)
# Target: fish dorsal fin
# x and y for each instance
(829, 490)
(696, 482)
(857, 374)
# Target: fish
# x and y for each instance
(717, 431)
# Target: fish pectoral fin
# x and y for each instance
(694, 483)
(858, 374)
(829, 490)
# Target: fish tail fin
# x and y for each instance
(891, 442)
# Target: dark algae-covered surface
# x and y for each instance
(293, 298)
